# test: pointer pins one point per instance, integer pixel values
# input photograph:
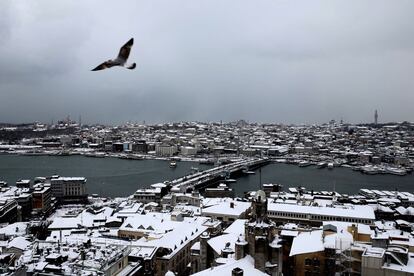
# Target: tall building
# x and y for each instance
(376, 117)
(261, 239)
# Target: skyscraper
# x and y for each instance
(376, 117)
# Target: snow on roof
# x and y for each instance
(19, 242)
(158, 223)
(224, 208)
(247, 264)
(307, 242)
(340, 225)
(237, 227)
(17, 228)
(219, 243)
(196, 246)
(158, 185)
(184, 232)
(84, 219)
(66, 178)
(342, 240)
(291, 233)
(352, 211)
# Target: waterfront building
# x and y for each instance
(148, 195)
(23, 183)
(140, 146)
(188, 151)
(42, 198)
(164, 149)
(69, 189)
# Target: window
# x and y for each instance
(316, 262)
(308, 261)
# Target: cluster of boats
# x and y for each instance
(378, 169)
(367, 169)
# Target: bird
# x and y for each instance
(120, 60)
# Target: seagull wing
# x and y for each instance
(102, 66)
(124, 51)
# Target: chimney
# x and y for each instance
(237, 272)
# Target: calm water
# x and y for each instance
(118, 177)
(343, 179)
(106, 176)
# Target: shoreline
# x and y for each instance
(368, 169)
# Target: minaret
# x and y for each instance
(376, 117)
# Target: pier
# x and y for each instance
(211, 176)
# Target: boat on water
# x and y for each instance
(321, 165)
(63, 153)
(369, 169)
(396, 171)
(304, 164)
(246, 171)
(34, 153)
(95, 154)
(173, 164)
(230, 180)
(330, 165)
(130, 157)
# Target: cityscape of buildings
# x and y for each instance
(50, 225)
(369, 148)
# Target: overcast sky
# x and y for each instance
(264, 61)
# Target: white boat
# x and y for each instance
(230, 180)
(245, 171)
(368, 169)
(330, 165)
(304, 163)
(173, 164)
(321, 165)
(396, 171)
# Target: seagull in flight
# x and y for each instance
(120, 60)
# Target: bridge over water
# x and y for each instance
(205, 178)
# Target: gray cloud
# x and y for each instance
(270, 61)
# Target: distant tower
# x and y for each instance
(376, 117)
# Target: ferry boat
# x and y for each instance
(321, 165)
(396, 171)
(304, 164)
(246, 171)
(173, 164)
(330, 165)
(368, 169)
(130, 157)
